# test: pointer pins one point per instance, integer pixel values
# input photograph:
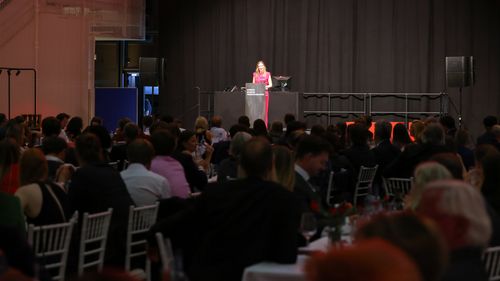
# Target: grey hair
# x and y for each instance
(461, 199)
(426, 173)
(238, 142)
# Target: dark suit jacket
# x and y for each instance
(384, 154)
(360, 155)
(237, 224)
(196, 178)
(465, 265)
(309, 199)
(53, 166)
(95, 188)
(404, 165)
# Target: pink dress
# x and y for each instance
(263, 79)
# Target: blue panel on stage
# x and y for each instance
(112, 104)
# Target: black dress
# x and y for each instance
(52, 211)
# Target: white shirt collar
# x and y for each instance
(302, 172)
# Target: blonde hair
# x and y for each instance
(425, 173)
(201, 124)
(257, 67)
(283, 167)
(416, 129)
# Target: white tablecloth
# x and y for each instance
(268, 271)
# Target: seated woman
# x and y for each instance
(196, 168)
(42, 201)
(9, 166)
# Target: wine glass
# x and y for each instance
(308, 226)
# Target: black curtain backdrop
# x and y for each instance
(331, 46)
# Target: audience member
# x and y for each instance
(74, 128)
(51, 127)
(195, 167)
(417, 237)
(400, 136)
(452, 162)
(63, 120)
(144, 186)
(311, 157)
(95, 187)
(96, 121)
(460, 213)
(487, 137)
(448, 124)
(260, 129)
(283, 167)
(289, 117)
(42, 201)
(147, 122)
(462, 140)
(228, 168)
(168, 167)
(221, 149)
(241, 221)
(416, 129)
(9, 166)
(244, 121)
(202, 131)
(54, 149)
(495, 131)
(374, 260)
(359, 154)
(384, 152)
(218, 133)
(425, 173)
(432, 143)
(119, 150)
(276, 132)
(118, 135)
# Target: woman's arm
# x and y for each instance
(269, 82)
(253, 78)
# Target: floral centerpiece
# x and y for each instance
(333, 219)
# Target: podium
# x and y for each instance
(255, 101)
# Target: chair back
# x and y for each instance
(140, 220)
(364, 182)
(397, 187)
(93, 239)
(166, 252)
(491, 260)
(50, 244)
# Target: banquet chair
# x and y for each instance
(335, 178)
(364, 182)
(140, 219)
(93, 239)
(397, 186)
(50, 245)
(165, 251)
(491, 260)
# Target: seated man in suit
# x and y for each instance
(54, 149)
(311, 156)
(239, 223)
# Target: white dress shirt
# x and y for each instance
(145, 187)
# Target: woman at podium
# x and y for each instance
(261, 76)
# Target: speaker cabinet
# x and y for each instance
(459, 72)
